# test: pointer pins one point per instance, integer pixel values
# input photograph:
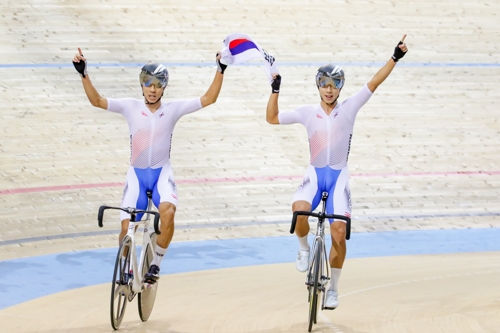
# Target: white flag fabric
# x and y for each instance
(239, 48)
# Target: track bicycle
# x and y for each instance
(128, 276)
(318, 273)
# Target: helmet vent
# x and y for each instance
(159, 69)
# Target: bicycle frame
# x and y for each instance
(319, 241)
(137, 267)
(124, 286)
(132, 228)
(319, 278)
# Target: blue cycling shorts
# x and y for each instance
(159, 181)
(335, 182)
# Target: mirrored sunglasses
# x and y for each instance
(148, 81)
(325, 81)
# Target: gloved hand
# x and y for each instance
(275, 85)
(400, 50)
(80, 63)
(220, 66)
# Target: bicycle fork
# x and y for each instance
(324, 272)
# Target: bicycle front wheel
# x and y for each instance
(147, 296)
(120, 288)
(314, 280)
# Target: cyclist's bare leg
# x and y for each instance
(167, 213)
(123, 231)
(337, 257)
(339, 249)
(302, 226)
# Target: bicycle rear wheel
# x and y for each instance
(313, 301)
(120, 288)
(147, 296)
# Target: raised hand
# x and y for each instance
(220, 66)
(80, 63)
(400, 50)
(275, 85)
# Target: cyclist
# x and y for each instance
(329, 127)
(151, 123)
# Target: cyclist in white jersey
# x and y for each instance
(151, 124)
(329, 127)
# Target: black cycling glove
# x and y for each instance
(220, 66)
(81, 67)
(398, 53)
(275, 85)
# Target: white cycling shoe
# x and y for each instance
(302, 263)
(332, 300)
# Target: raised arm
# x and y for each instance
(95, 99)
(272, 105)
(213, 91)
(384, 72)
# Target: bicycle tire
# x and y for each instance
(147, 296)
(318, 277)
(313, 302)
(120, 288)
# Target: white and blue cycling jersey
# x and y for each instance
(329, 144)
(150, 145)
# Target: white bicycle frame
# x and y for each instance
(137, 285)
(319, 240)
(324, 265)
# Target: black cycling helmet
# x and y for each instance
(330, 74)
(156, 74)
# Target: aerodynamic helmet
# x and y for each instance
(154, 73)
(330, 74)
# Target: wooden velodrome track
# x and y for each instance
(425, 155)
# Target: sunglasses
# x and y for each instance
(149, 80)
(325, 81)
